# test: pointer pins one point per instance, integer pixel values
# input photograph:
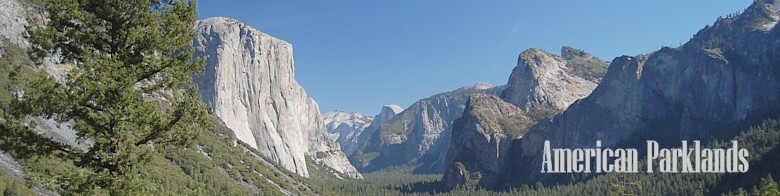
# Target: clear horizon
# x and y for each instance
(357, 56)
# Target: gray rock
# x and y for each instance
(60, 132)
(9, 165)
(484, 135)
(250, 84)
(418, 136)
(541, 78)
(13, 19)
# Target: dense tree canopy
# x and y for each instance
(128, 88)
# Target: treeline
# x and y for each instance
(761, 141)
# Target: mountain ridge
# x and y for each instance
(416, 135)
(722, 81)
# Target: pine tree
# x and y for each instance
(769, 186)
(129, 88)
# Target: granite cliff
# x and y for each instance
(542, 78)
(249, 82)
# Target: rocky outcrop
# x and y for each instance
(483, 134)
(345, 127)
(249, 82)
(14, 15)
(540, 86)
(723, 80)
(418, 136)
(541, 78)
(13, 19)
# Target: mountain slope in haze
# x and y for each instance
(417, 135)
(345, 127)
(250, 84)
(387, 113)
(350, 129)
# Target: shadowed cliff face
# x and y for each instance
(724, 79)
(418, 136)
(481, 138)
(385, 115)
(250, 84)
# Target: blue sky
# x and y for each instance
(360, 55)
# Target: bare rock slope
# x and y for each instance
(542, 78)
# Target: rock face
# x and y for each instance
(417, 136)
(14, 15)
(250, 84)
(483, 135)
(724, 79)
(13, 21)
(345, 127)
(540, 86)
(541, 78)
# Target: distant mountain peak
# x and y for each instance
(761, 15)
(392, 107)
(482, 85)
(335, 118)
(476, 86)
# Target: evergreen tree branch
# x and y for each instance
(178, 114)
